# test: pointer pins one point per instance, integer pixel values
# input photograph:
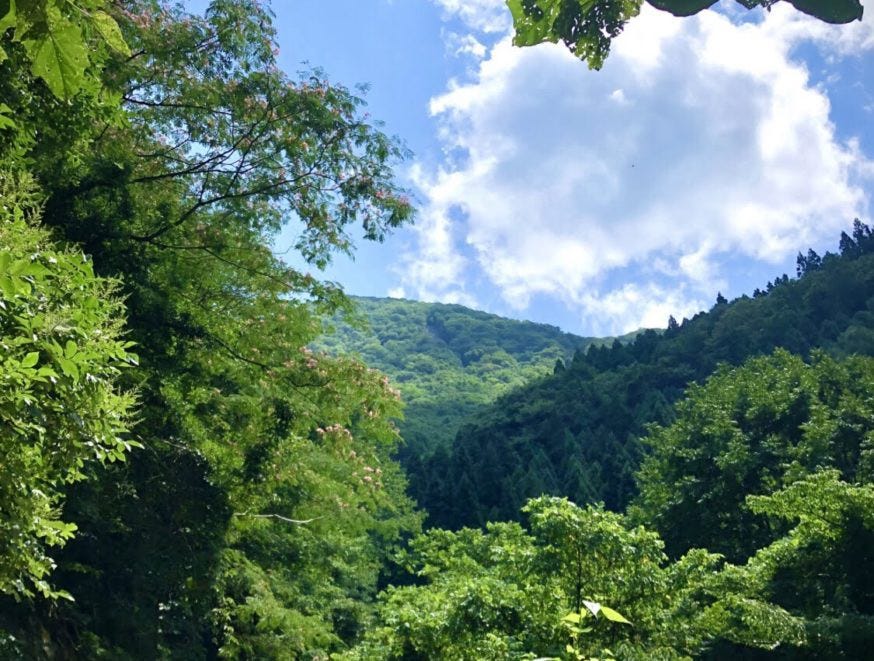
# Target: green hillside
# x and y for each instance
(448, 360)
(576, 433)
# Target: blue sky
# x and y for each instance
(702, 157)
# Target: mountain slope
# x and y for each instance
(448, 360)
(575, 433)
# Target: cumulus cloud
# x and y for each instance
(633, 306)
(479, 15)
(700, 140)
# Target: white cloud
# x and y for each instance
(700, 140)
(465, 44)
(633, 306)
(481, 15)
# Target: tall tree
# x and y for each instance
(255, 520)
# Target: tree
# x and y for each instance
(510, 593)
(750, 431)
(260, 510)
(60, 406)
(587, 28)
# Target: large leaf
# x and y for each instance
(111, 33)
(59, 58)
(612, 615)
(533, 24)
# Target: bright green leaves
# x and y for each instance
(6, 122)
(586, 27)
(59, 57)
(30, 359)
(56, 37)
(752, 430)
(611, 614)
(581, 623)
(506, 591)
(111, 33)
(60, 359)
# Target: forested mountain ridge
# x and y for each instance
(576, 433)
(447, 360)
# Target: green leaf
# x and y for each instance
(70, 349)
(613, 616)
(69, 368)
(30, 359)
(5, 121)
(7, 286)
(111, 33)
(59, 58)
(572, 617)
(9, 18)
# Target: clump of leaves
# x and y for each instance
(587, 27)
(61, 352)
(60, 39)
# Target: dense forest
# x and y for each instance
(576, 433)
(190, 472)
(447, 360)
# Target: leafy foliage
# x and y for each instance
(505, 593)
(586, 27)
(576, 432)
(58, 36)
(821, 569)
(752, 430)
(447, 360)
(258, 516)
(255, 521)
(60, 407)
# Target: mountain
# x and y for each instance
(575, 433)
(448, 360)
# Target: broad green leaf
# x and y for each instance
(69, 368)
(572, 617)
(111, 33)
(613, 616)
(70, 349)
(30, 359)
(8, 288)
(59, 58)
(531, 23)
(7, 10)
